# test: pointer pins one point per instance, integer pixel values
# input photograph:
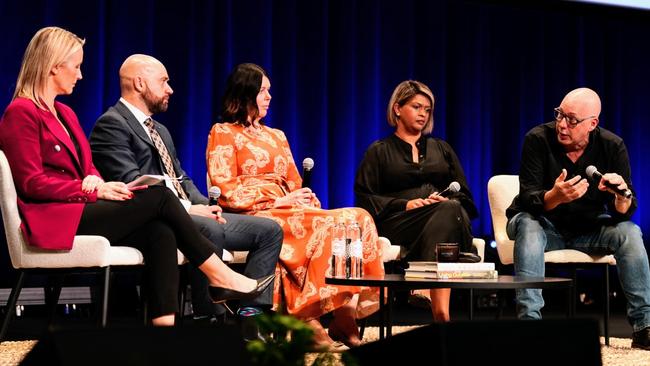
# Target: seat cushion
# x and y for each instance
(87, 251)
(575, 256)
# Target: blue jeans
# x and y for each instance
(261, 237)
(534, 235)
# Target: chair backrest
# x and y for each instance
(502, 189)
(10, 215)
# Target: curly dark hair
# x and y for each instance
(240, 97)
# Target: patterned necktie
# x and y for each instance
(164, 156)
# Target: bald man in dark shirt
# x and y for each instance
(559, 208)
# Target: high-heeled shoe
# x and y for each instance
(221, 294)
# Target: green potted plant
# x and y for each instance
(290, 344)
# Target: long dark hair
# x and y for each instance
(240, 98)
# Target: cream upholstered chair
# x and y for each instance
(89, 253)
(502, 189)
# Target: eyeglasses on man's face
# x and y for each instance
(571, 121)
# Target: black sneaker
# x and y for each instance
(248, 321)
(641, 339)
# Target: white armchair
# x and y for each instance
(92, 253)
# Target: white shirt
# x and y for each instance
(142, 117)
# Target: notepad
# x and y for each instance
(147, 179)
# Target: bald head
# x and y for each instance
(583, 102)
(144, 83)
(137, 66)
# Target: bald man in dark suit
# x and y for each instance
(127, 143)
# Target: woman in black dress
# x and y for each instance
(399, 179)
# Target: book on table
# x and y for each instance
(450, 270)
(449, 266)
(458, 274)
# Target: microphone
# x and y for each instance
(453, 188)
(307, 166)
(213, 193)
(594, 174)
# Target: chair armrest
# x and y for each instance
(479, 244)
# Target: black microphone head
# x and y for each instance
(454, 187)
(307, 164)
(214, 192)
(590, 171)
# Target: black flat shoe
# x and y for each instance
(641, 339)
(419, 301)
(221, 294)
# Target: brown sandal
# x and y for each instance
(322, 341)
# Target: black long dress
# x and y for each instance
(388, 178)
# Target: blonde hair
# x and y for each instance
(49, 47)
(402, 94)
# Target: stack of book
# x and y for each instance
(439, 270)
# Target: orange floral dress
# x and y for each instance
(253, 167)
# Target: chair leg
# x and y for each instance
(362, 327)
(471, 304)
(501, 300)
(606, 314)
(145, 312)
(11, 304)
(181, 302)
(105, 290)
(143, 298)
(574, 291)
(52, 294)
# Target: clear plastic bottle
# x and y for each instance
(338, 236)
(355, 251)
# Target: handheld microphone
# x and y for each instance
(453, 188)
(213, 194)
(595, 175)
(307, 166)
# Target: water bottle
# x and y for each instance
(355, 251)
(338, 236)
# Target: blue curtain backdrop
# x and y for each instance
(497, 68)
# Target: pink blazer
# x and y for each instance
(47, 171)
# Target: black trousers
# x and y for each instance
(155, 222)
(419, 230)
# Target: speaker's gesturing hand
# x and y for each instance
(565, 191)
(570, 190)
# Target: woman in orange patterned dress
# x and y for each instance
(253, 166)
